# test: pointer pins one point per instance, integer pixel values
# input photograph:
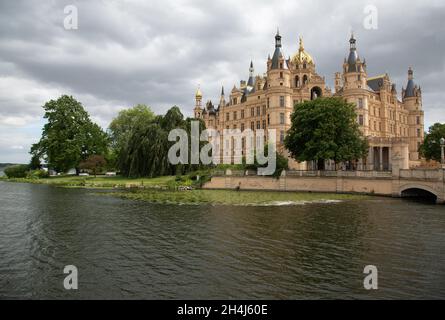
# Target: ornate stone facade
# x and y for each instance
(394, 127)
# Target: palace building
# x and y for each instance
(393, 125)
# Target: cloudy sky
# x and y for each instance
(157, 52)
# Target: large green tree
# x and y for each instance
(121, 127)
(325, 128)
(430, 148)
(145, 153)
(69, 136)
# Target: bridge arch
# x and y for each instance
(418, 191)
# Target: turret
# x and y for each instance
(210, 108)
(198, 103)
(353, 56)
(412, 100)
(278, 60)
(278, 67)
(412, 95)
(354, 70)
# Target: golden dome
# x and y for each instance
(302, 56)
(198, 93)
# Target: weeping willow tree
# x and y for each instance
(145, 153)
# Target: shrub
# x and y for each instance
(37, 174)
(16, 171)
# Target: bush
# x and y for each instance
(16, 171)
(37, 174)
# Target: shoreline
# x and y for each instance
(164, 190)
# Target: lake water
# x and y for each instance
(127, 249)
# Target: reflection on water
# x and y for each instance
(130, 249)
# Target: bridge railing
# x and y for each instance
(421, 174)
(347, 174)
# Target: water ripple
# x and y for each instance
(130, 249)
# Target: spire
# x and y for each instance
(352, 42)
(278, 39)
(222, 100)
(198, 94)
(250, 82)
(410, 74)
(302, 56)
(278, 56)
(353, 56)
(198, 98)
(410, 86)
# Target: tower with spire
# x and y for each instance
(250, 81)
(393, 125)
(278, 73)
(198, 103)
(412, 100)
(354, 69)
(222, 99)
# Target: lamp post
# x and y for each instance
(442, 153)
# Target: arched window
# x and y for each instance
(316, 92)
(305, 79)
(297, 81)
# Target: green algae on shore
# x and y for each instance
(232, 197)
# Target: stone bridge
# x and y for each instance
(425, 183)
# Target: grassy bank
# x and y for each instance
(231, 197)
(100, 181)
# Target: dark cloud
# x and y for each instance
(156, 52)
